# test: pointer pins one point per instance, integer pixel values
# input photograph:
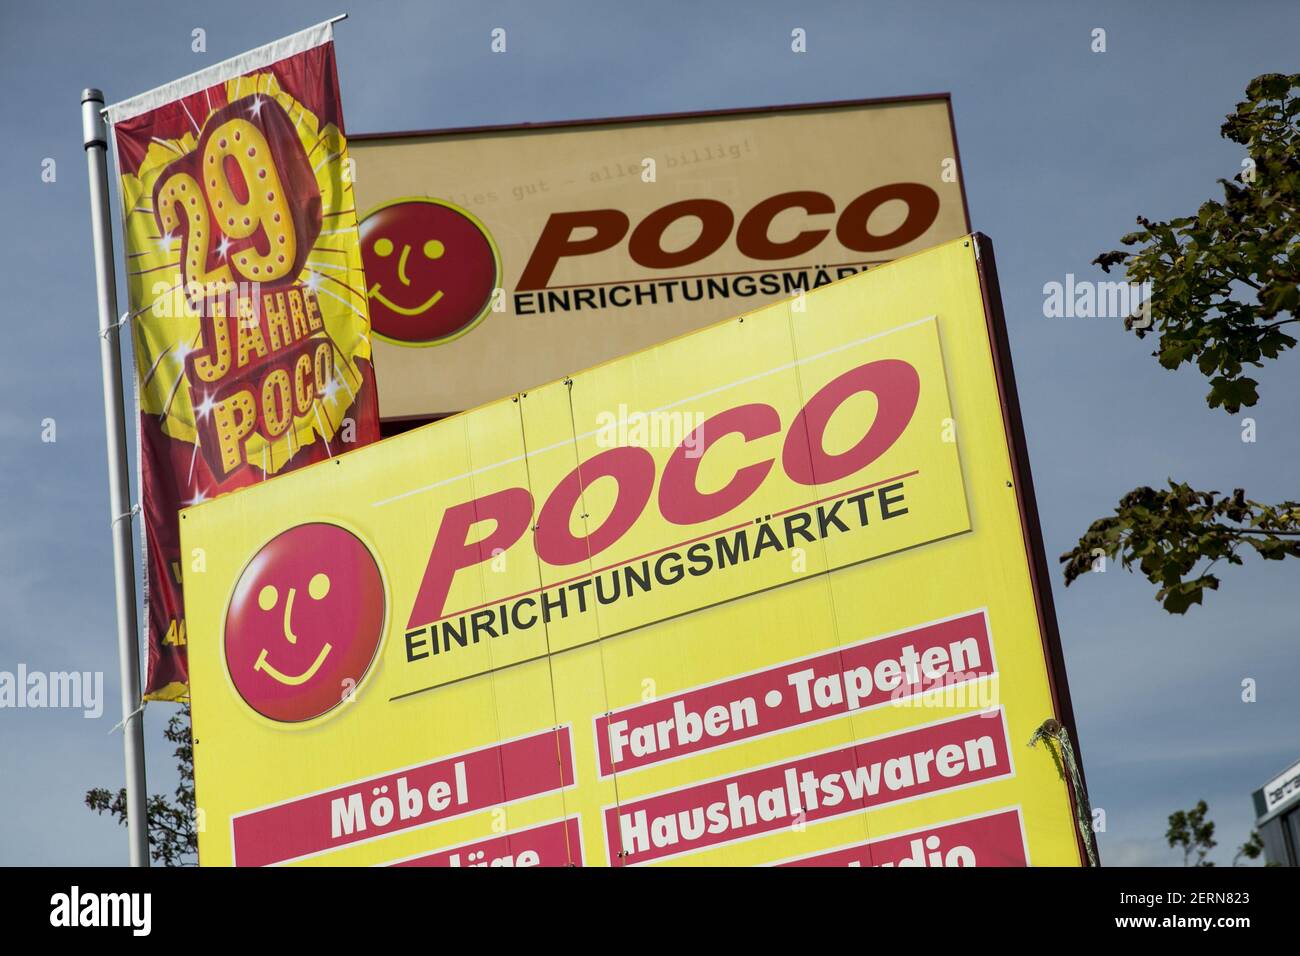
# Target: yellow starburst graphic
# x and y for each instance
(168, 318)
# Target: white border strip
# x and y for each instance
(569, 443)
(257, 59)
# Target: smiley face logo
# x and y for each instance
(305, 622)
(431, 271)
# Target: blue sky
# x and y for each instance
(1061, 149)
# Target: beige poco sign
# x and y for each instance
(500, 258)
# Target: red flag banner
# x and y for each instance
(247, 302)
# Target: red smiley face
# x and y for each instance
(305, 622)
(431, 271)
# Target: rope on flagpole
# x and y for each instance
(122, 723)
(115, 326)
(135, 510)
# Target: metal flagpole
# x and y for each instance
(95, 132)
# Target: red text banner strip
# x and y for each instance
(405, 799)
(992, 839)
(856, 677)
(558, 843)
(942, 756)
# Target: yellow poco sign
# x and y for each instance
(761, 594)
